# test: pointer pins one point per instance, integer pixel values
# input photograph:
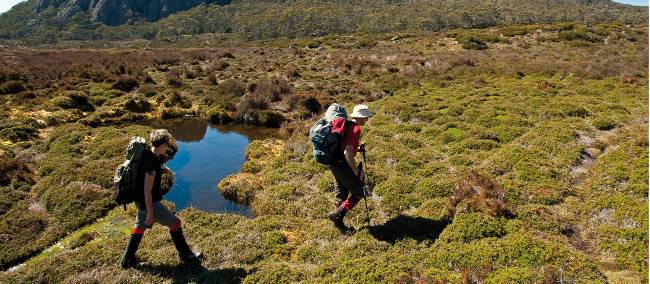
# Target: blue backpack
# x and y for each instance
(326, 135)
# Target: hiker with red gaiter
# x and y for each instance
(348, 178)
(148, 195)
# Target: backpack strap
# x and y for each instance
(346, 125)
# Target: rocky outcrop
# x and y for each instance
(117, 12)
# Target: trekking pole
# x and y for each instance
(364, 181)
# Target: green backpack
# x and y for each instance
(126, 173)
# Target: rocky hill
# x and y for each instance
(46, 21)
(118, 12)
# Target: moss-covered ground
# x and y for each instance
(522, 162)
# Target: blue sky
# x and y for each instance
(5, 5)
(634, 2)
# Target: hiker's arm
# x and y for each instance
(349, 158)
(148, 200)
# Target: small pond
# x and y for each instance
(207, 153)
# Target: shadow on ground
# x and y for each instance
(194, 272)
(407, 227)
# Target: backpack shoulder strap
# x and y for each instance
(348, 124)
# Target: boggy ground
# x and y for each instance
(521, 159)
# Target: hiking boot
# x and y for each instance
(184, 251)
(338, 203)
(337, 218)
(129, 260)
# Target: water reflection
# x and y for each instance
(190, 130)
(207, 153)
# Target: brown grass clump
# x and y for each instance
(232, 87)
(362, 93)
(174, 81)
(175, 99)
(211, 79)
(191, 74)
(259, 98)
(194, 72)
(167, 59)
(219, 65)
(462, 61)
(126, 83)
(477, 192)
(11, 75)
(73, 100)
(137, 104)
(148, 90)
(308, 102)
(356, 64)
(292, 71)
(14, 170)
(149, 80)
(629, 80)
(274, 89)
(252, 101)
(12, 87)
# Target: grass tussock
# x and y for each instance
(478, 193)
(126, 83)
(240, 188)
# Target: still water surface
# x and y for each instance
(207, 153)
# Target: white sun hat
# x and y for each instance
(361, 111)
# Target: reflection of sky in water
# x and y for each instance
(200, 165)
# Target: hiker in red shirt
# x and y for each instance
(348, 179)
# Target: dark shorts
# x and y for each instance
(346, 182)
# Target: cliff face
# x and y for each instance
(117, 12)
